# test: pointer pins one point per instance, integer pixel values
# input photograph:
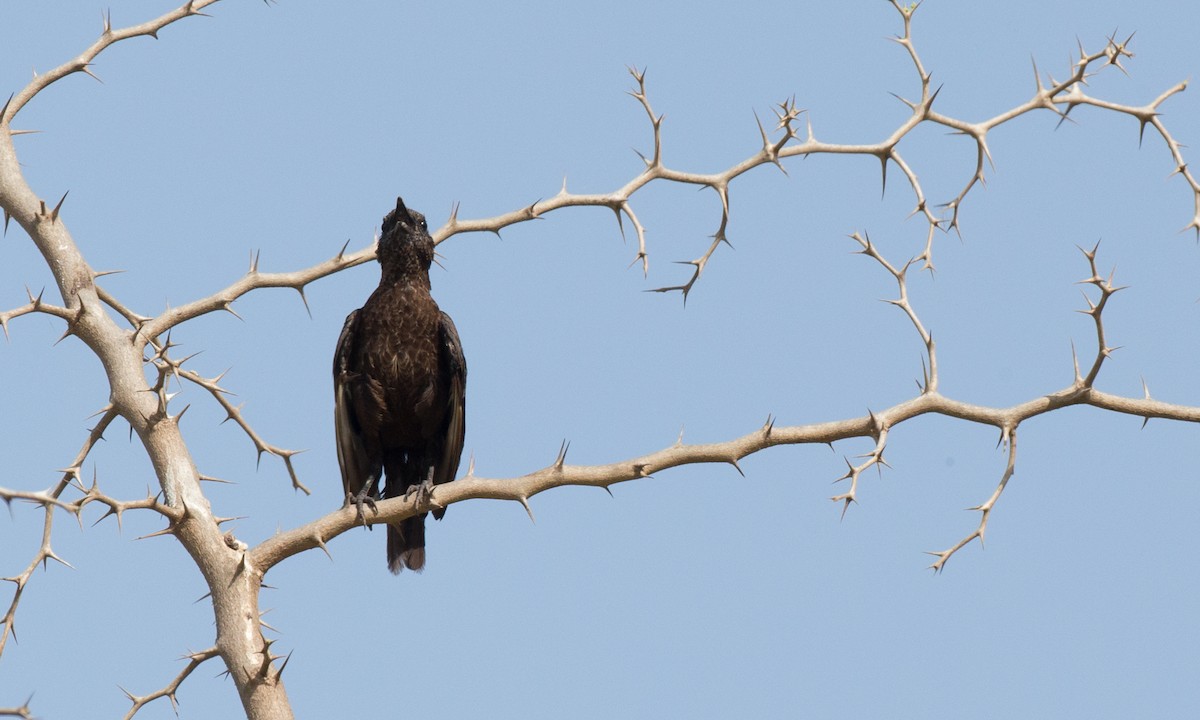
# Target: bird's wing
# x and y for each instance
(454, 368)
(352, 454)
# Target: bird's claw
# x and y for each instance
(362, 498)
(423, 492)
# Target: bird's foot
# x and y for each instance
(365, 497)
(423, 491)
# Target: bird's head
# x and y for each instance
(405, 246)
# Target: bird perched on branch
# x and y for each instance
(399, 381)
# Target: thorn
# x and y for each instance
(876, 425)
(254, 262)
(321, 544)
(342, 253)
(243, 566)
(562, 455)
(769, 426)
(531, 211)
(304, 299)
(933, 97)
(911, 105)
(217, 379)
(761, 131)
(4, 110)
(883, 159)
(845, 500)
(528, 510)
(734, 462)
(54, 212)
(620, 225)
(279, 673)
(51, 555)
(86, 69)
(168, 530)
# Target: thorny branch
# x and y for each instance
(239, 638)
(21, 711)
(50, 499)
(1060, 97)
(1009, 435)
(82, 62)
(195, 659)
(234, 571)
(167, 366)
(875, 425)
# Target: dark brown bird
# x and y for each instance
(399, 383)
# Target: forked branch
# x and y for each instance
(195, 659)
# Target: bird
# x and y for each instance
(399, 379)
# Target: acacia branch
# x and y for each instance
(195, 659)
(49, 500)
(319, 532)
(234, 413)
(786, 145)
(1009, 436)
(82, 62)
(21, 711)
(875, 425)
(35, 305)
(222, 300)
(789, 144)
(167, 365)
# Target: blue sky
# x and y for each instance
(289, 129)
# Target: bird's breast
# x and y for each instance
(400, 357)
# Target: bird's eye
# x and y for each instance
(424, 226)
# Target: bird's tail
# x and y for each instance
(406, 544)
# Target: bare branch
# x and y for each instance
(870, 250)
(49, 500)
(81, 63)
(1107, 289)
(985, 510)
(194, 659)
(252, 280)
(874, 425)
(168, 366)
(22, 711)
